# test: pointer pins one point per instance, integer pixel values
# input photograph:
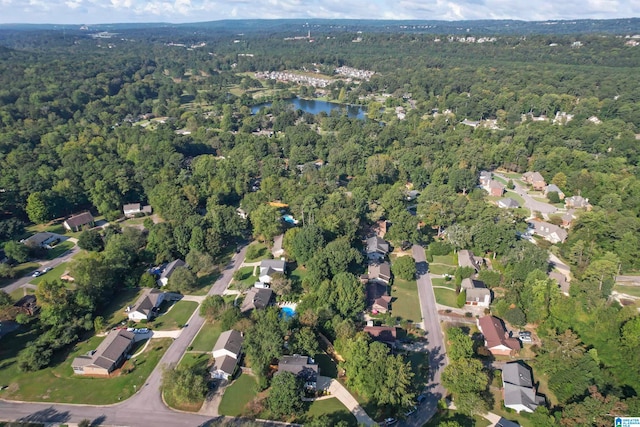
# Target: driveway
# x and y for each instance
(435, 343)
(148, 397)
(338, 391)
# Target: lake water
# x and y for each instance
(316, 107)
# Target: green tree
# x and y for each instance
(212, 307)
(306, 243)
(184, 384)
(90, 240)
(348, 295)
(305, 342)
(515, 316)
(460, 344)
(147, 280)
(16, 251)
(465, 376)
(182, 279)
(264, 340)
(285, 394)
(404, 267)
(461, 299)
(266, 222)
(38, 208)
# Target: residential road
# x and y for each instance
(529, 202)
(146, 407)
(435, 343)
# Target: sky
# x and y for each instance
(181, 11)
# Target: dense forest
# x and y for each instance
(71, 139)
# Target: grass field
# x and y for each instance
(445, 297)
(52, 275)
(445, 259)
(461, 419)
(207, 337)
(451, 284)
(515, 196)
(114, 313)
(175, 317)
(58, 383)
(200, 360)
(328, 410)
(60, 249)
(441, 268)
(405, 303)
(237, 395)
(204, 283)
(20, 270)
(634, 291)
(248, 279)
(259, 252)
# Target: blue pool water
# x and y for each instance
(288, 312)
(290, 219)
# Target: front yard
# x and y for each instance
(173, 315)
(461, 419)
(446, 297)
(331, 410)
(58, 383)
(51, 275)
(405, 303)
(207, 337)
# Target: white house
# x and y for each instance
(133, 209)
(519, 392)
(269, 267)
(226, 353)
(146, 306)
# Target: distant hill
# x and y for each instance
(257, 26)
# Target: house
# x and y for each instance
(508, 203)
(381, 227)
(269, 267)
(466, 259)
(377, 248)
(549, 232)
(477, 293)
(567, 219)
(552, 188)
(77, 222)
(107, 357)
(146, 307)
(519, 392)
(496, 338)
(485, 178)
(226, 353)
(256, 299)
(303, 367)
(563, 283)
(503, 422)
(242, 213)
(27, 305)
(412, 195)
(495, 189)
(41, 240)
(535, 179)
(134, 209)
(168, 271)
(277, 251)
(384, 334)
(378, 298)
(379, 272)
(577, 202)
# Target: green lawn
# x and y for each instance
(52, 275)
(248, 279)
(261, 252)
(420, 366)
(629, 290)
(207, 337)
(237, 395)
(58, 383)
(405, 303)
(463, 420)
(328, 410)
(445, 297)
(451, 284)
(298, 274)
(60, 249)
(114, 313)
(446, 259)
(515, 196)
(20, 270)
(175, 317)
(441, 269)
(20, 292)
(204, 283)
(201, 360)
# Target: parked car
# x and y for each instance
(390, 421)
(47, 269)
(410, 411)
(421, 398)
(36, 273)
(141, 331)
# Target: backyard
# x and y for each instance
(173, 315)
(331, 410)
(405, 303)
(58, 383)
(237, 395)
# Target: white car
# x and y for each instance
(36, 273)
(46, 270)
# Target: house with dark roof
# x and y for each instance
(168, 271)
(503, 422)
(27, 305)
(107, 357)
(378, 298)
(269, 267)
(384, 334)
(256, 299)
(132, 209)
(496, 338)
(41, 240)
(518, 390)
(377, 248)
(467, 259)
(146, 307)
(303, 367)
(476, 292)
(77, 222)
(226, 353)
(508, 203)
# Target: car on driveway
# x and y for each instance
(410, 411)
(141, 331)
(421, 398)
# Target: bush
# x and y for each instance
(510, 184)
(515, 316)
(462, 299)
(255, 251)
(553, 197)
(404, 267)
(440, 248)
(490, 278)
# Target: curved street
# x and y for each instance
(146, 407)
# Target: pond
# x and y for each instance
(316, 107)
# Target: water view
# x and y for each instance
(316, 107)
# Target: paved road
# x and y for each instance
(435, 344)
(146, 407)
(18, 283)
(529, 202)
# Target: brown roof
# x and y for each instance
(380, 270)
(466, 259)
(375, 291)
(79, 219)
(381, 333)
(495, 334)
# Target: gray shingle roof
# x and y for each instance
(231, 341)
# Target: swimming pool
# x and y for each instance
(289, 219)
(288, 312)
